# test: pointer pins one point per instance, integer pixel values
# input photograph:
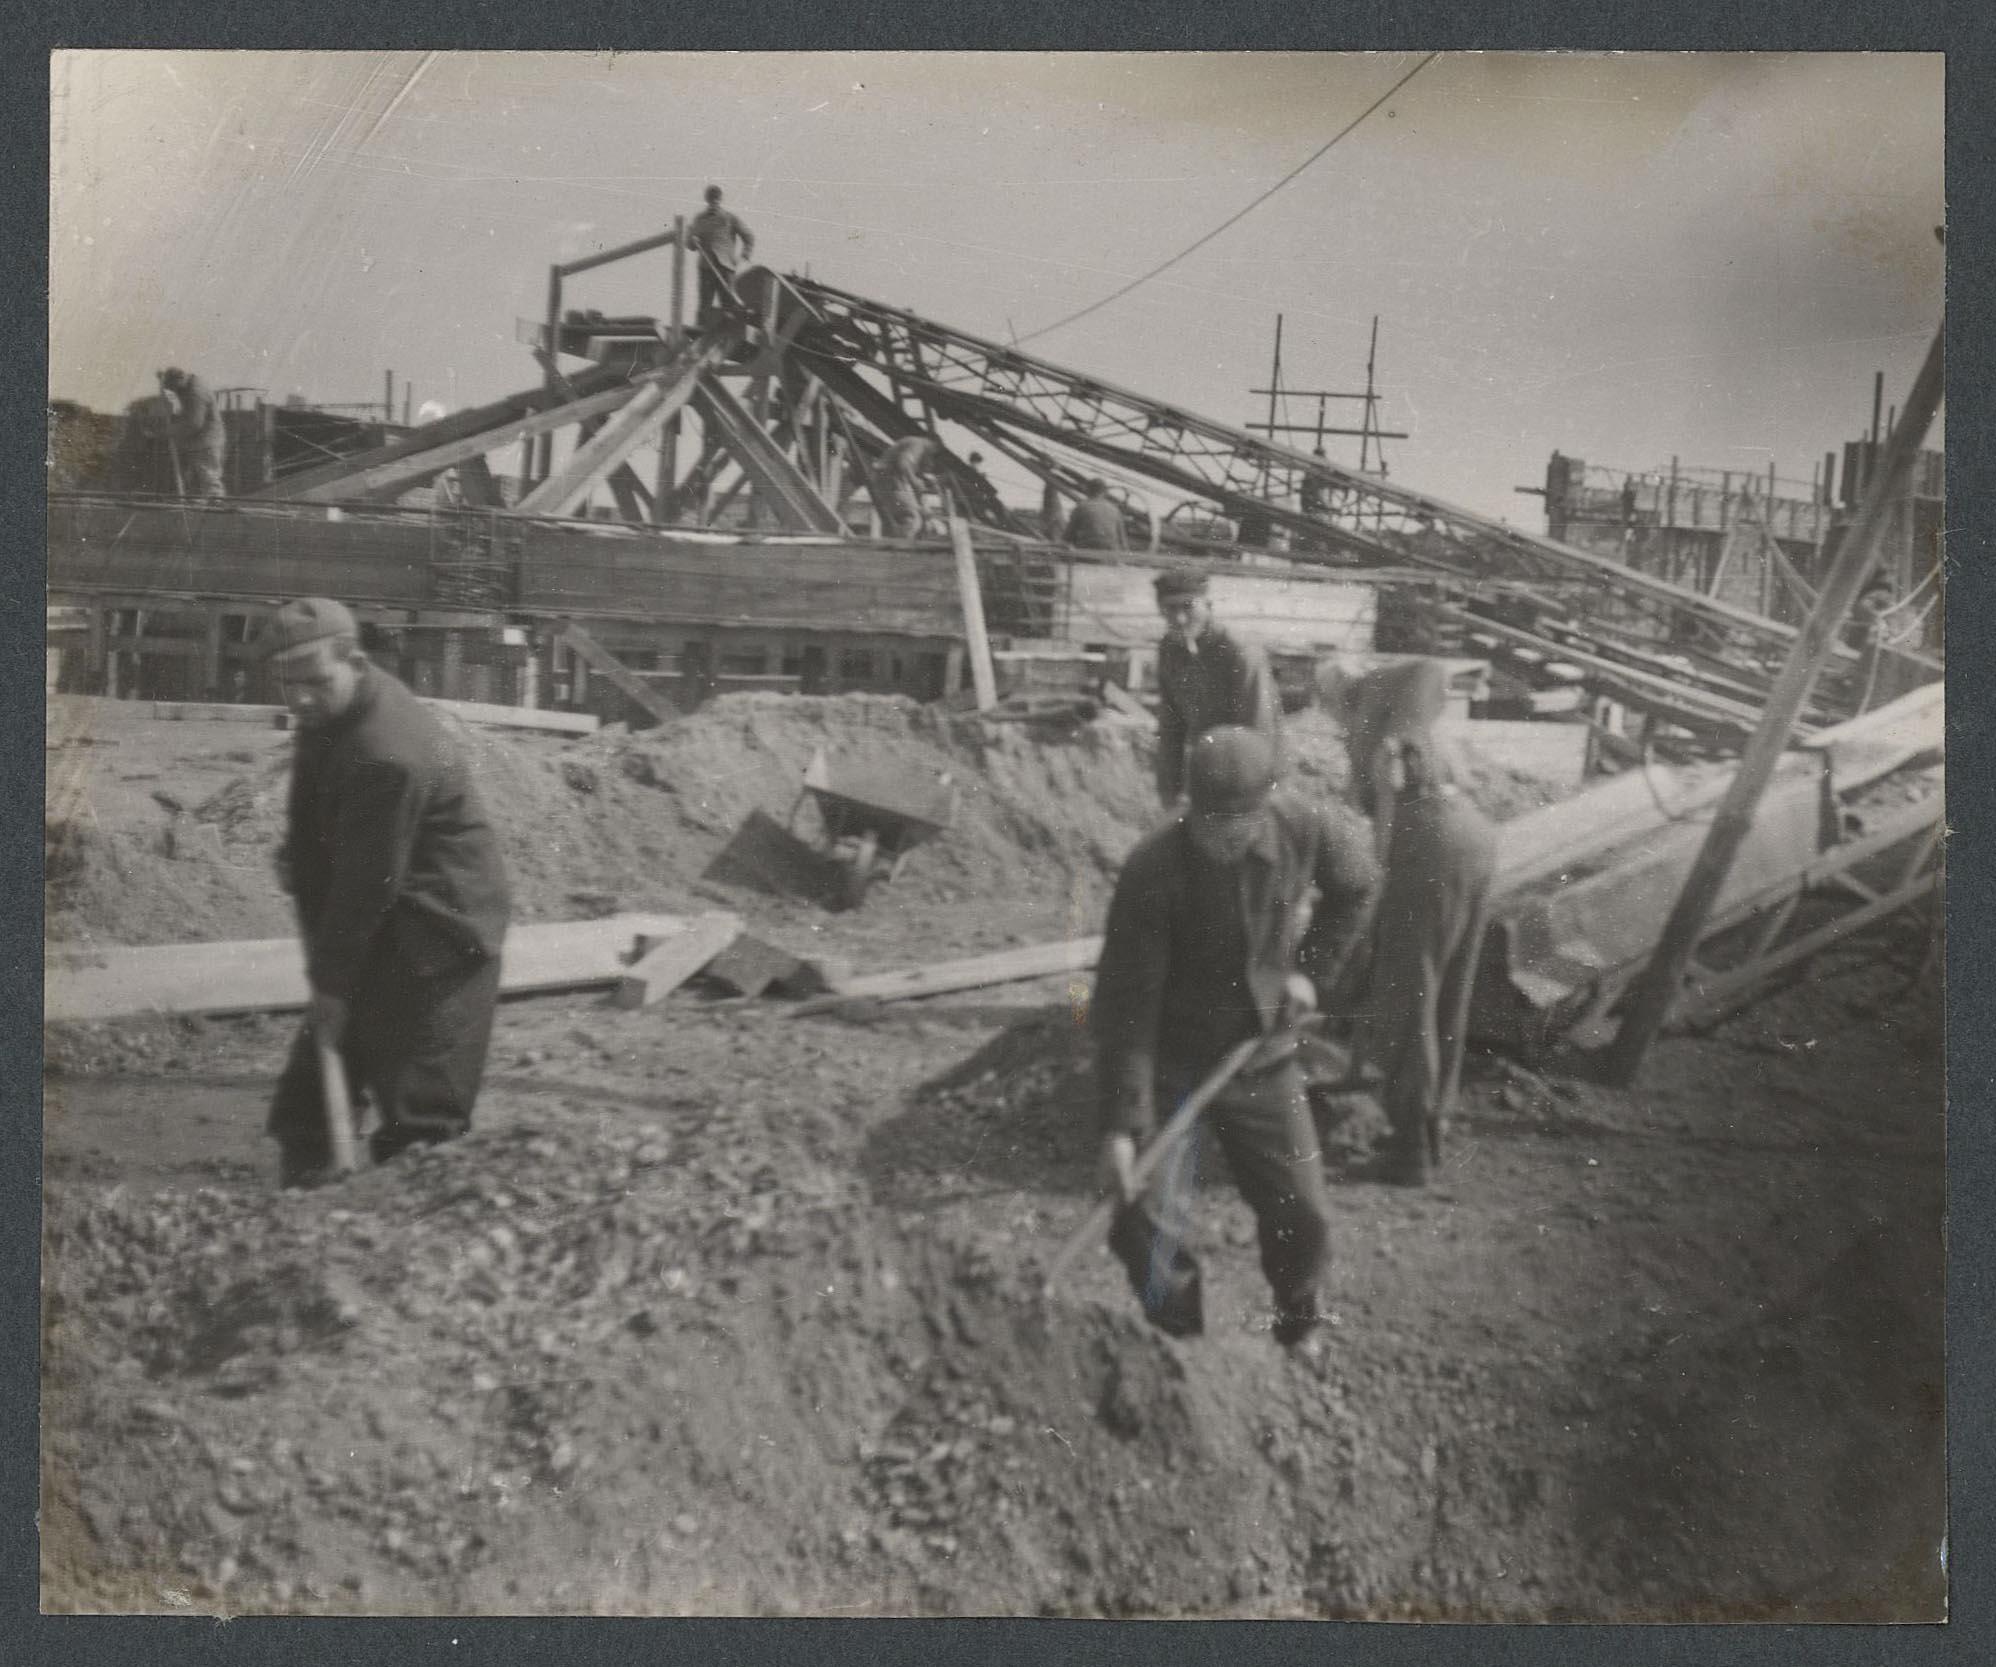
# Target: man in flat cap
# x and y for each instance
(1213, 940)
(1207, 674)
(401, 895)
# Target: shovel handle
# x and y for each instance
(1152, 1155)
(338, 1103)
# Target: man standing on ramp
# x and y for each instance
(721, 243)
(1213, 941)
(402, 901)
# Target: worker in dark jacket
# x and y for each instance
(1097, 521)
(401, 896)
(199, 437)
(721, 242)
(1213, 940)
(1206, 675)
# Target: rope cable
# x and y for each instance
(1232, 219)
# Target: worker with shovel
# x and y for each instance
(402, 902)
(197, 435)
(1226, 926)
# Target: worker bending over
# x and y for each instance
(1212, 940)
(200, 440)
(1207, 675)
(402, 903)
(1440, 854)
(904, 467)
(1402, 700)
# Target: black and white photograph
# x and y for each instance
(1117, 835)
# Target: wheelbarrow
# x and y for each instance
(871, 816)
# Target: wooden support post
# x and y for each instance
(1663, 978)
(541, 456)
(211, 659)
(983, 677)
(98, 671)
(678, 314)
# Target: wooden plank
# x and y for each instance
(676, 959)
(1007, 966)
(484, 713)
(268, 974)
(193, 711)
(617, 674)
(983, 676)
(658, 399)
(779, 481)
(463, 425)
(492, 716)
(386, 480)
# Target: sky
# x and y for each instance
(1625, 258)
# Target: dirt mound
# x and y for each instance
(622, 820)
(586, 1364)
(632, 820)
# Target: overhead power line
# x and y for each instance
(1238, 215)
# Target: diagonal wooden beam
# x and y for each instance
(430, 436)
(632, 495)
(614, 672)
(390, 479)
(601, 453)
(778, 481)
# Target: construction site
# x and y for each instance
(741, 1295)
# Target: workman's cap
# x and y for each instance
(173, 375)
(713, 193)
(1230, 771)
(1180, 581)
(302, 623)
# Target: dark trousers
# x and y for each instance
(1434, 908)
(1263, 1125)
(717, 286)
(414, 1048)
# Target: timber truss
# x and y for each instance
(797, 390)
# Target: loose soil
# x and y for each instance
(724, 1310)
